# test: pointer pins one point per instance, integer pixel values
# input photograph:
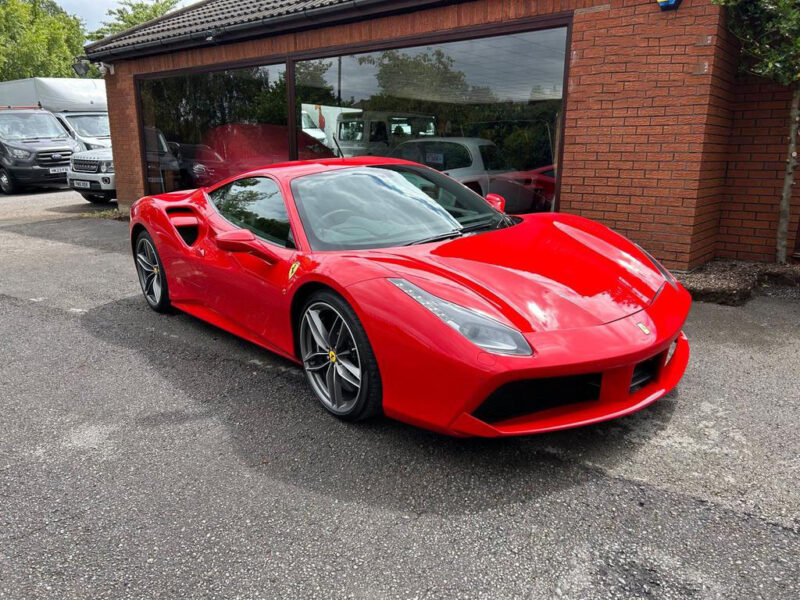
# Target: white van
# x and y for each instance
(376, 132)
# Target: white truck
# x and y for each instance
(78, 104)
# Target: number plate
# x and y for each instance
(81, 184)
(58, 170)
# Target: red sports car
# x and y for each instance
(401, 291)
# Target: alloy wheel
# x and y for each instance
(149, 271)
(330, 357)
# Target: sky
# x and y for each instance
(93, 12)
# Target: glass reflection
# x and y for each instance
(485, 111)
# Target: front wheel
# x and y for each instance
(338, 359)
(7, 184)
(151, 273)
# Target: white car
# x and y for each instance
(91, 173)
(475, 162)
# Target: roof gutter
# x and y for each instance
(308, 18)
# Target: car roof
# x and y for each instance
(292, 170)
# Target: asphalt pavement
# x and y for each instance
(154, 456)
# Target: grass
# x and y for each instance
(115, 214)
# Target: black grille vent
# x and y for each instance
(644, 373)
(530, 396)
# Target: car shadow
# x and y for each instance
(82, 206)
(104, 235)
(279, 430)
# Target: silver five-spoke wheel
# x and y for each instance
(150, 276)
(330, 357)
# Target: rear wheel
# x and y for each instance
(7, 184)
(151, 273)
(338, 359)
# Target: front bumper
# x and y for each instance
(91, 182)
(437, 380)
(36, 175)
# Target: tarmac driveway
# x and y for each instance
(145, 455)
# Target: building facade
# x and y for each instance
(617, 110)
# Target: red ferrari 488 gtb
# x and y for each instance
(401, 291)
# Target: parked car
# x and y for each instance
(199, 165)
(91, 173)
(400, 291)
(376, 133)
(478, 164)
(34, 149)
(542, 181)
(78, 104)
(89, 129)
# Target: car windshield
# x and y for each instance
(308, 123)
(386, 205)
(90, 125)
(30, 126)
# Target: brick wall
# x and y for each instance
(647, 118)
(645, 125)
(757, 159)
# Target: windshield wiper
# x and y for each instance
(481, 225)
(436, 238)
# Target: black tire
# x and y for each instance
(7, 183)
(369, 399)
(96, 198)
(159, 302)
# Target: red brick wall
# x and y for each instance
(646, 123)
(757, 159)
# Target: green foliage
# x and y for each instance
(130, 13)
(769, 32)
(37, 39)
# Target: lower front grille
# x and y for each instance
(530, 396)
(644, 372)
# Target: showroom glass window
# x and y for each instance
(200, 128)
(486, 111)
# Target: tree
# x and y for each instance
(769, 34)
(37, 39)
(130, 13)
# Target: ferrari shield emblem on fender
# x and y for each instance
(644, 328)
(293, 269)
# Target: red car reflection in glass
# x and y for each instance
(237, 147)
(401, 291)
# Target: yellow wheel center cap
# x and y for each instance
(155, 270)
(332, 356)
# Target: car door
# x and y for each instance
(245, 288)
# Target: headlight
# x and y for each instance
(106, 167)
(661, 269)
(199, 169)
(19, 153)
(93, 146)
(479, 329)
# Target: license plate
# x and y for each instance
(58, 170)
(81, 184)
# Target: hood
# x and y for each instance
(550, 272)
(98, 154)
(97, 141)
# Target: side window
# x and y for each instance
(256, 203)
